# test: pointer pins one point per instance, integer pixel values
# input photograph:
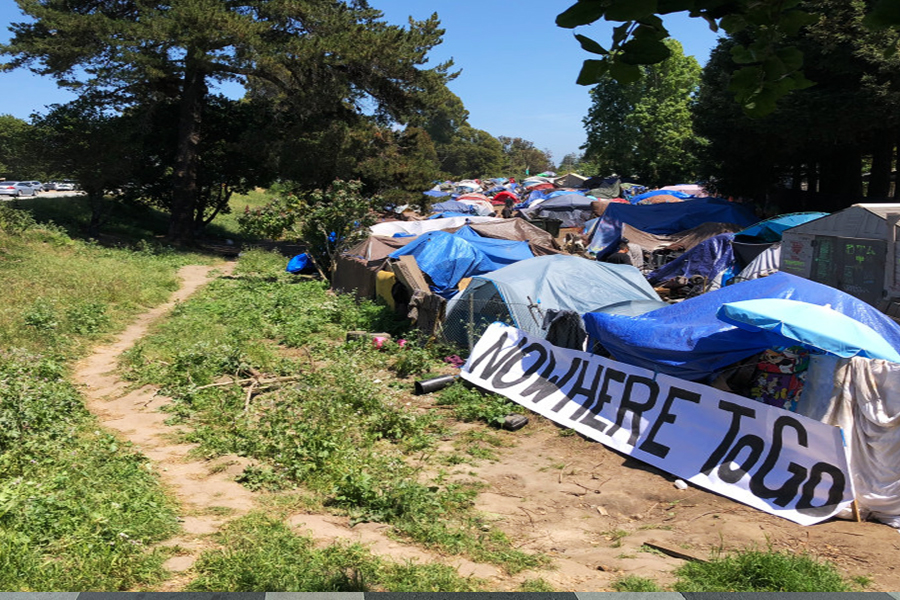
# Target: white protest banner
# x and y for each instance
(772, 459)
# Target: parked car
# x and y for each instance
(37, 185)
(49, 186)
(65, 186)
(16, 188)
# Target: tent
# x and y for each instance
(572, 209)
(708, 259)
(751, 242)
(520, 294)
(453, 206)
(390, 228)
(669, 193)
(691, 189)
(539, 240)
(356, 268)
(689, 341)
(449, 257)
(662, 219)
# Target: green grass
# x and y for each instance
(633, 583)
(225, 225)
(78, 509)
(262, 554)
(758, 571)
(338, 429)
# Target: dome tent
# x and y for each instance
(520, 293)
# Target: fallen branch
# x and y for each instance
(250, 380)
(249, 396)
(675, 553)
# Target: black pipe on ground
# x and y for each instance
(434, 384)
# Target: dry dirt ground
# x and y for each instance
(588, 508)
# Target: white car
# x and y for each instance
(16, 188)
(65, 187)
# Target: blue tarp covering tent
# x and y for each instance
(645, 195)
(688, 340)
(770, 230)
(708, 259)
(453, 206)
(448, 257)
(810, 324)
(436, 193)
(521, 293)
(664, 219)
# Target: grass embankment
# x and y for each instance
(77, 509)
(342, 430)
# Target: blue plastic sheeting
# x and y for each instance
(664, 219)
(557, 193)
(708, 258)
(299, 264)
(447, 257)
(449, 214)
(687, 340)
(810, 324)
(770, 230)
(436, 193)
(645, 195)
(453, 206)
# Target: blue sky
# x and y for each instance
(518, 67)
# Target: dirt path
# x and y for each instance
(205, 490)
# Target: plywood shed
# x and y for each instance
(853, 250)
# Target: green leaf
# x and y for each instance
(791, 57)
(624, 72)
(592, 71)
(791, 22)
(583, 12)
(630, 10)
(620, 33)
(733, 23)
(590, 45)
(665, 7)
(742, 55)
(645, 51)
(745, 82)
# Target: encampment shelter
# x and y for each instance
(854, 250)
(521, 293)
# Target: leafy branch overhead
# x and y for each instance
(771, 66)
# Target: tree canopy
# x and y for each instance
(771, 66)
(324, 57)
(643, 129)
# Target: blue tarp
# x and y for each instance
(645, 195)
(436, 193)
(708, 258)
(810, 324)
(299, 264)
(687, 340)
(447, 257)
(664, 219)
(770, 230)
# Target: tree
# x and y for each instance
(520, 156)
(771, 66)
(471, 153)
(14, 134)
(93, 147)
(332, 56)
(643, 129)
(817, 138)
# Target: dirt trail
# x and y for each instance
(205, 490)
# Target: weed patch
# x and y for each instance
(262, 554)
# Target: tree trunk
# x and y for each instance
(95, 201)
(882, 155)
(187, 159)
